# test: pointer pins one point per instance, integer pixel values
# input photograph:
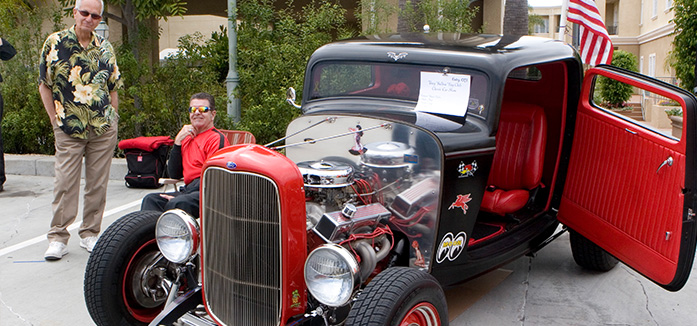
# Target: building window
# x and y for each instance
(669, 4)
(641, 65)
(654, 9)
(652, 65)
(641, 13)
(542, 27)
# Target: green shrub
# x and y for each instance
(273, 49)
(164, 91)
(682, 56)
(375, 16)
(441, 16)
(674, 112)
(614, 93)
(26, 127)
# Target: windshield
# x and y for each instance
(435, 89)
(373, 164)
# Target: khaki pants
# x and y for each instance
(98, 152)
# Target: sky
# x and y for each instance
(544, 3)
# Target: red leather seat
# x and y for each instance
(519, 158)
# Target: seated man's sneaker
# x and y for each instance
(88, 243)
(56, 250)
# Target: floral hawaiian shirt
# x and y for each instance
(80, 80)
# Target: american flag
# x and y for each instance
(595, 47)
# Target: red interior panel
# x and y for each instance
(614, 196)
(519, 157)
(550, 92)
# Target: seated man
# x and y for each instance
(194, 143)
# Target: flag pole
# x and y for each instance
(562, 20)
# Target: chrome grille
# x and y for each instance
(241, 247)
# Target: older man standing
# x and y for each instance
(78, 80)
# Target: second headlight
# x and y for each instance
(177, 235)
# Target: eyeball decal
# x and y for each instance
(451, 247)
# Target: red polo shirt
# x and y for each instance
(196, 150)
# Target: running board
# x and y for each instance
(548, 240)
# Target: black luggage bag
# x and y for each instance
(146, 158)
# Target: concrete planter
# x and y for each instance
(676, 123)
(656, 115)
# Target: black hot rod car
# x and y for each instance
(419, 162)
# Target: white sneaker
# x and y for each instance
(88, 243)
(56, 250)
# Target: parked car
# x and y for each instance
(420, 161)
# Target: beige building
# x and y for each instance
(175, 27)
(642, 27)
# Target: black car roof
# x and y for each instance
(494, 55)
(497, 55)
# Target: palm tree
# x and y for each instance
(515, 18)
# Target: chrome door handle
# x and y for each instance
(668, 161)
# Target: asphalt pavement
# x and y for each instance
(549, 289)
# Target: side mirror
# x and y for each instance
(290, 97)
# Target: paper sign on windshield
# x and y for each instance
(444, 93)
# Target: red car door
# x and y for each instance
(630, 186)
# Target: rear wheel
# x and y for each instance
(127, 279)
(400, 296)
(589, 255)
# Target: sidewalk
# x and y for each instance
(34, 291)
(42, 165)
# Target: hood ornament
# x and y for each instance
(396, 56)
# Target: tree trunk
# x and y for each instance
(402, 22)
(143, 49)
(129, 15)
(515, 19)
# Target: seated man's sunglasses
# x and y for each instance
(202, 109)
(86, 13)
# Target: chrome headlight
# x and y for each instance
(177, 235)
(331, 274)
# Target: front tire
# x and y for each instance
(589, 255)
(400, 296)
(125, 273)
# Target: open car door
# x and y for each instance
(630, 185)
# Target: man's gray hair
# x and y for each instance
(205, 96)
(79, 2)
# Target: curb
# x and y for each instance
(43, 165)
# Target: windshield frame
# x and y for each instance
(377, 78)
